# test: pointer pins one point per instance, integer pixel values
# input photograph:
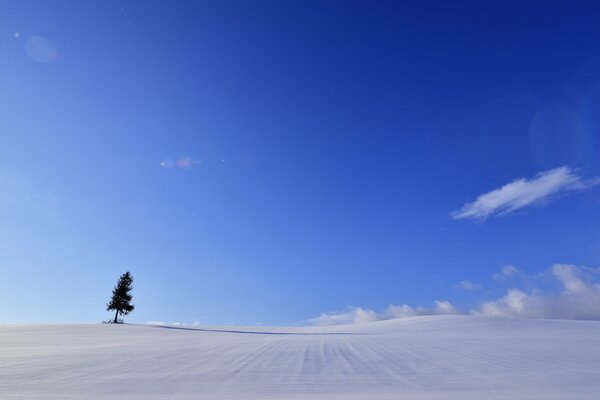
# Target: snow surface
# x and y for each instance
(435, 357)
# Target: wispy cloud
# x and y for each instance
(506, 272)
(467, 285)
(522, 193)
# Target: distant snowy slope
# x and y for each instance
(435, 357)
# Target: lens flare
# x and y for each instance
(41, 49)
(184, 162)
(167, 163)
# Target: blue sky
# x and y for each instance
(267, 162)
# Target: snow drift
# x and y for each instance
(432, 357)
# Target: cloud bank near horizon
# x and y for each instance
(522, 193)
(578, 297)
(356, 315)
(569, 292)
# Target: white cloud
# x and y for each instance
(467, 285)
(355, 315)
(577, 298)
(573, 293)
(165, 323)
(522, 193)
(403, 311)
(507, 272)
(445, 308)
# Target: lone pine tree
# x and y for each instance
(121, 296)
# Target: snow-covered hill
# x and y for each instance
(436, 357)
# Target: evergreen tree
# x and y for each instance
(121, 298)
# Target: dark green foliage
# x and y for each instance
(121, 296)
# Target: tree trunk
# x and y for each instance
(116, 315)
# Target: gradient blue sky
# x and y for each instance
(328, 145)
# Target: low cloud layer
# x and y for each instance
(564, 292)
(161, 323)
(577, 297)
(356, 315)
(522, 193)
